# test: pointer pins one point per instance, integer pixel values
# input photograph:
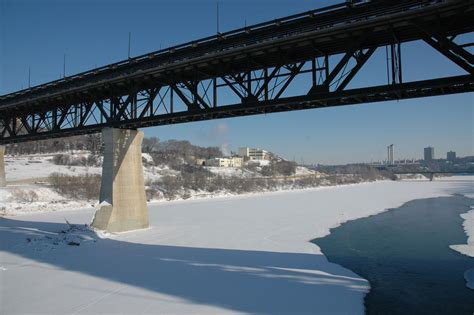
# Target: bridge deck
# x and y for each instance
(318, 32)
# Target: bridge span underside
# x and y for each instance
(298, 62)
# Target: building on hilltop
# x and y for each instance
(254, 154)
(429, 154)
(234, 161)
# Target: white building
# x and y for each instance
(218, 162)
(234, 161)
(254, 154)
(237, 161)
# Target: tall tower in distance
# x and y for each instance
(390, 154)
(429, 154)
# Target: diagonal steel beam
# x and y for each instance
(449, 54)
(231, 85)
(267, 81)
(193, 88)
(448, 43)
(361, 60)
(64, 113)
(447, 47)
(149, 103)
(85, 113)
(25, 124)
(7, 128)
(123, 106)
(100, 106)
(187, 102)
(294, 73)
(348, 55)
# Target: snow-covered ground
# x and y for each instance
(37, 167)
(245, 254)
(40, 166)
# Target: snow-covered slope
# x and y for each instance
(28, 174)
(232, 255)
(40, 166)
(31, 168)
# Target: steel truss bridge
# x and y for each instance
(298, 62)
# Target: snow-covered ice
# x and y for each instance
(245, 254)
(468, 248)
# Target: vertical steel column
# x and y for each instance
(396, 63)
(214, 92)
(326, 65)
(171, 100)
(313, 71)
(265, 82)
(249, 83)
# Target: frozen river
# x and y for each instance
(406, 256)
(249, 254)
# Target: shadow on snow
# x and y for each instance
(234, 279)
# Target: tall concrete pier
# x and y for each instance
(122, 192)
(3, 181)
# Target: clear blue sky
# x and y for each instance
(36, 34)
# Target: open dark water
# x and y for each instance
(404, 253)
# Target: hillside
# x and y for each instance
(54, 174)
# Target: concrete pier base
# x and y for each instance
(122, 192)
(3, 181)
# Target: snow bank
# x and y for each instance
(24, 199)
(301, 170)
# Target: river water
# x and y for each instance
(404, 253)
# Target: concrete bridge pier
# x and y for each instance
(122, 193)
(3, 181)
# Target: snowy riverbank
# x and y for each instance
(247, 254)
(468, 248)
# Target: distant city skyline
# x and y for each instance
(37, 34)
